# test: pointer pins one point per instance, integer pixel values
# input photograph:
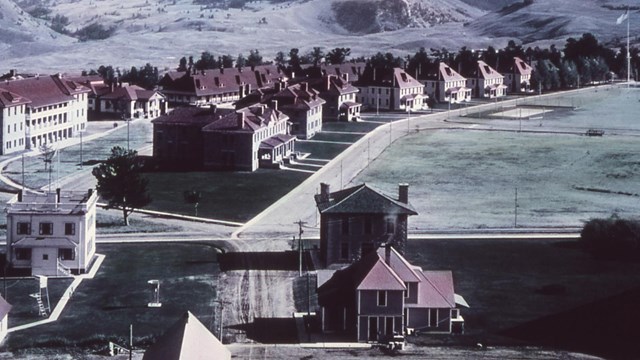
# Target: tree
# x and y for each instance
(120, 182)
(183, 64)
(193, 197)
(338, 55)
(241, 61)
(316, 55)
(206, 61)
(254, 58)
(294, 59)
(280, 59)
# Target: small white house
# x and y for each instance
(5, 307)
(53, 234)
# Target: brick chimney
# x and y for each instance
(20, 196)
(325, 191)
(240, 119)
(328, 82)
(403, 193)
(345, 77)
(274, 104)
(387, 254)
(304, 86)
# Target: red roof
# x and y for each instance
(386, 77)
(435, 290)
(381, 277)
(522, 67)
(45, 90)
(399, 264)
(485, 71)
(8, 99)
(255, 118)
(448, 74)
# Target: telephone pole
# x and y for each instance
(300, 232)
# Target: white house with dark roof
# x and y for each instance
(446, 85)
(187, 339)
(340, 96)
(485, 82)
(389, 89)
(517, 76)
(56, 109)
(52, 234)
(382, 295)
(251, 137)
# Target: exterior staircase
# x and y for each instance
(63, 269)
(41, 308)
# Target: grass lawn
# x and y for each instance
(320, 150)
(342, 126)
(468, 179)
(112, 223)
(232, 196)
(325, 136)
(102, 308)
(504, 282)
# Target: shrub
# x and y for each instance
(94, 31)
(612, 238)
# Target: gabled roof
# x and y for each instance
(299, 97)
(276, 140)
(8, 99)
(387, 77)
(187, 339)
(446, 73)
(435, 289)
(381, 277)
(399, 264)
(521, 67)
(333, 85)
(5, 307)
(45, 90)
(191, 116)
(362, 199)
(486, 72)
(254, 118)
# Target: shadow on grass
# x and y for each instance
(607, 328)
(270, 330)
(284, 261)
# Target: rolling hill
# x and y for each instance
(162, 31)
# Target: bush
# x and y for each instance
(612, 238)
(94, 31)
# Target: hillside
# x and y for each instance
(162, 31)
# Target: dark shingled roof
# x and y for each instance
(191, 116)
(362, 199)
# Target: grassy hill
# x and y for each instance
(162, 31)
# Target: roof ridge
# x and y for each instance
(359, 187)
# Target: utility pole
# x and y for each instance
(81, 161)
(515, 219)
(130, 341)
(300, 232)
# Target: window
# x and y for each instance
(368, 225)
(382, 298)
(433, 317)
(345, 226)
(24, 228)
(46, 228)
(69, 228)
(66, 254)
(391, 226)
(45, 256)
(23, 254)
(406, 292)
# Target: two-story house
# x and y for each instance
(299, 102)
(382, 295)
(251, 137)
(446, 85)
(52, 234)
(485, 82)
(178, 141)
(357, 220)
(56, 110)
(389, 89)
(517, 75)
(340, 96)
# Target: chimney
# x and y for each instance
(13, 73)
(57, 195)
(279, 86)
(387, 254)
(221, 70)
(328, 83)
(260, 110)
(304, 86)
(247, 89)
(345, 77)
(241, 91)
(403, 193)
(20, 195)
(325, 191)
(240, 119)
(274, 104)
(89, 193)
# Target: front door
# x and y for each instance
(373, 328)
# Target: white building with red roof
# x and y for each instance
(389, 89)
(13, 108)
(446, 85)
(485, 82)
(55, 109)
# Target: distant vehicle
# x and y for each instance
(594, 132)
(395, 342)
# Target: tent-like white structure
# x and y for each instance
(187, 339)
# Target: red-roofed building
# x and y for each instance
(178, 141)
(357, 220)
(56, 110)
(251, 137)
(446, 85)
(485, 82)
(13, 108)
(216, 86)
(382, 295)
(517, 76)
(389, 89)
(340, 96)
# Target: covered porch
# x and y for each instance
(458, 94)
(275, 149)
(350, 111)
(48, 256)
